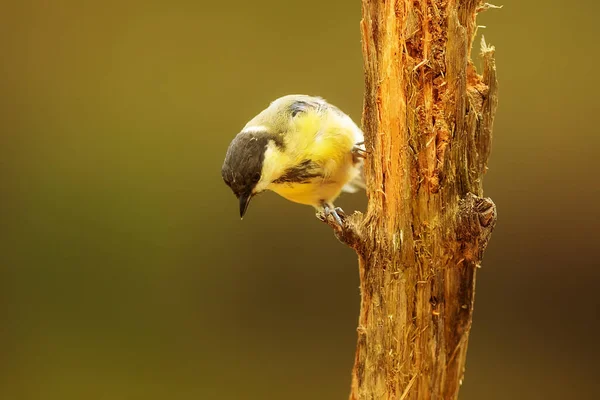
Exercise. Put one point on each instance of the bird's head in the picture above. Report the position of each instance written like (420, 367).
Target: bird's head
(242, 169)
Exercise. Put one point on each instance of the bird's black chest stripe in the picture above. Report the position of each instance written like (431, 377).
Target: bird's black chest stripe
(301, 173)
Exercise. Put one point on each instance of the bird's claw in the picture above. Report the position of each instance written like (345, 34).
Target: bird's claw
(336, 212)
(344, 227)
(358, 152)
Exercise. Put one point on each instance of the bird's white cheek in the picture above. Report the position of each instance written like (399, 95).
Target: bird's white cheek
(261, 186)
(273, 164)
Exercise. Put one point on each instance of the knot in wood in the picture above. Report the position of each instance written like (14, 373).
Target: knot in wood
(475, 222)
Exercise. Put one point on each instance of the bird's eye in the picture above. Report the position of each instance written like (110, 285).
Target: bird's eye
(256, 177)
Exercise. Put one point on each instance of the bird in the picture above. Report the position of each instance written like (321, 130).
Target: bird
(300, 147)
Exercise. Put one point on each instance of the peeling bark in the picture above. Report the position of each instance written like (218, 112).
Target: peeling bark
(428, 118)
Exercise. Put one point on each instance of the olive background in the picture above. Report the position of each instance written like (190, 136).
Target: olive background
(126, 272)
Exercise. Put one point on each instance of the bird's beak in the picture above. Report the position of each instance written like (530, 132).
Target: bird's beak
(244, 201)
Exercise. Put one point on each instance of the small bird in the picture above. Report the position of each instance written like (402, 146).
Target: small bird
(300, 147)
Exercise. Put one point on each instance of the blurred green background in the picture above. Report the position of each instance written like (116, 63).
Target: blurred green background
(126, 272)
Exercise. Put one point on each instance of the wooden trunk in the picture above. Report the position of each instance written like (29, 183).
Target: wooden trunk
(428, 119)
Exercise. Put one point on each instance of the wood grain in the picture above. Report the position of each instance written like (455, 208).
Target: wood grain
(428, 118)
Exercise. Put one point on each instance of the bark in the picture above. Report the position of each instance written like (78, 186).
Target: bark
(428, 119)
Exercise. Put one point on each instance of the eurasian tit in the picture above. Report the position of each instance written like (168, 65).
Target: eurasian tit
(300, 147)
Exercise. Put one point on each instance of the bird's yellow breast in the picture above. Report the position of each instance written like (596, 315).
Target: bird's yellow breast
(323, 142)
(317, 190)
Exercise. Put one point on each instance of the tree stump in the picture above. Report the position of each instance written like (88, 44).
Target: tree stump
(428, 118)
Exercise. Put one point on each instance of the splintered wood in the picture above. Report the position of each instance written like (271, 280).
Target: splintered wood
(428, 118)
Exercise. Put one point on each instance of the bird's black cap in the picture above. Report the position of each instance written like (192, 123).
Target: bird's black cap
(243, 165)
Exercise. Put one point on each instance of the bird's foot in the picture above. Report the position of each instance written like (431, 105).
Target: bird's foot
(358, 151)
(345, 227)
(336, 212)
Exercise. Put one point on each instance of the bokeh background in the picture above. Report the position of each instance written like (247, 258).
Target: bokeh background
(126, 272)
